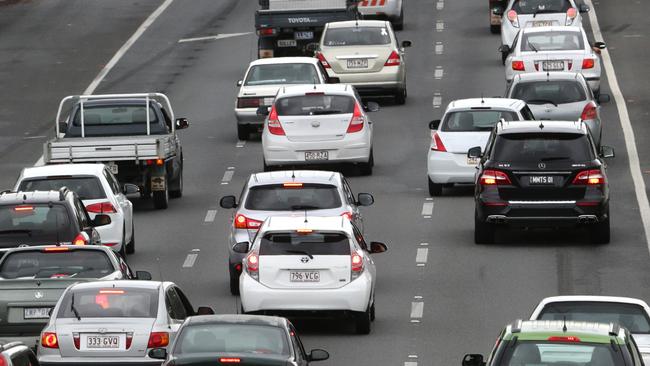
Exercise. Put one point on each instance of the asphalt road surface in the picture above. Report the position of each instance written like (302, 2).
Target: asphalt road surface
(439, 295)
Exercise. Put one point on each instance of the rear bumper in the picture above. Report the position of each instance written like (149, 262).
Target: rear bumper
(280, 151)
(444, 168)
(86, 361)
(543, 213)
(388, 80)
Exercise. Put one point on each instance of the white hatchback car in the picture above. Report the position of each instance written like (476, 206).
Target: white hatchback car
(465, 124)
(99, 191)
(306, 265)
(318, 124)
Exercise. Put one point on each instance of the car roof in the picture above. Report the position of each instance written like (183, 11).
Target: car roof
(118, 284)
(552, 28)
(274, 321)
(295, 90)
(286, 176)
(469, 103)
(284, 60)
(307, 222)
(28, 197)
(575, 127)
(63, 169)
(541, 330)
(593, 298)
(361, 23)
(545, 76)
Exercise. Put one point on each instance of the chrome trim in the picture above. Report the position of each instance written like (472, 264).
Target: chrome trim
(541, 202)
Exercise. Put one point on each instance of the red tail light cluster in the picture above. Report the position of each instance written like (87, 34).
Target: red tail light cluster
(494, 177)
(513, 18)
(275, 128)
(249, 102)
(518, 66)
(81, 239)
(322, 60)
(76, 340)
(243, 222)
(436, 143)
(589, 177)
(158, 339)
(356, 123)
(589, 112)
(49, 340)
(393, 59)
(571, 14)
(347, 215)
(101, 207)
(356, 261)
(588, 63)
(267, 31)
(253, 264)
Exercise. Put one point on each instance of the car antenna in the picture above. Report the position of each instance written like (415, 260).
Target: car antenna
(564, 324)
(306, 216)
(482, 100)
(293, 174)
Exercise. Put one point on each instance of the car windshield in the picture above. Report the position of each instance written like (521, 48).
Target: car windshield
(110, 302)
(356, 36)
(232, 338)
(541, 6)
(631, 316)
(291, 197)
(298, 73)
(545, 353)
(475, 120)
(56, 264)
(524, 147)
(315, 104)
(302, 243)
(87, 188)
(552, 41)
(34, 224)
(116, 120)
(554, 91)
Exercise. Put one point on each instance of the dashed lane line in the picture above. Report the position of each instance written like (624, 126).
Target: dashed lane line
(240, 144)
(213, 38)
(210, 215)
(437, 100)
(438, 73)
(227, 175)
(421, 256)
(417, 309)
(440, 26)
(191, 258)
(439, 48)
(440, 5)
(427, 209)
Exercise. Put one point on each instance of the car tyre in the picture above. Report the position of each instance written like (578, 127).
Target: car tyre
(483, 232)
(495, 29)
(243, 132)
(400, 96)
(161, 199)
(435, 189)
(362, 321)
(178, 192)
(130, 246)
(366, 168)
(266, 167)
(600, 233)
(504, 56)
(234, 284)
(372, 312)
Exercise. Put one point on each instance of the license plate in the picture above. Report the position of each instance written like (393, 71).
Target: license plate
(112, 167)
(541, 180)
(303, 35)
(287, 43)
(304, 276)
(102, 341)
(472, 161)
(542, 23)
(358, 63)
(316, 155)
(37, 313)
(553, 65)
(158, 183)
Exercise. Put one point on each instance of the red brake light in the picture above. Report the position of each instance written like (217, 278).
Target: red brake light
(76, 340)
(253, 264)
(393, 59)
(159, 162)
(588, 63)
(56, 249)
(3, 360)
(571, 13)
(275, 128)
(101, 207)
(563, 339)
(589, 112)
(111, 292)
(23, 208)
(304, 231)
(129, 339)
(266, 31)
(357, 262)
(322, 60)
(49, 340)
(81, 239)
(347, 215)
(494, 177)
(436, 143)
(518, 66)
(356, 123)
(229, 360)
(158, 339)
(243, 222)
(248, 102)
(292, 185)
(589, 177)
(512, 17)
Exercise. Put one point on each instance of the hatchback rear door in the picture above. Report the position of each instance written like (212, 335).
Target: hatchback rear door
(315, 116)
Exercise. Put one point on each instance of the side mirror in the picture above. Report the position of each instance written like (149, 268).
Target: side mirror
(262, 111)
(158, 353)
(606, 151)
(333, 80)
(584, 8)
(377, 247)
(228, 202)
(365, 199)
(143, 275)
(371, 107)
(603, 98)
(433, 125)
(473, 360)
(407, 44)
(240, 82)
(129, 188)
(63, 127)
(182, 123)
(497, 11)
(505, 48)
(474, 152)
(600, 45)
(241, 247)
(204, 310)
(318, 355)
(101, 220)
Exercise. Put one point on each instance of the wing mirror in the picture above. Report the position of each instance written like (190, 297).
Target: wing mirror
(365, 199)
(63, 127)
(606, 151)
(377, 247)
(603, 98)
(241, 247)
(262, 111)
(228, 202)
(584, 8)
(240, 82)
(101, 220)
(318, 355)
(505, 48)
(143, 275)
(406, 44)
(433, 125)
(158, 353)
(473, 360)
(474, 152)
(182, 123)
(129, 188)
(371, 107)
(204, 310)
(600, 45)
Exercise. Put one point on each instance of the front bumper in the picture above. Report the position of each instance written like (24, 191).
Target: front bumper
(542, 213)
(443, 168)
(278, 150)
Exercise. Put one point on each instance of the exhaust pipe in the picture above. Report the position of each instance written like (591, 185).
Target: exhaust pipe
(587, 219)
(496, 219)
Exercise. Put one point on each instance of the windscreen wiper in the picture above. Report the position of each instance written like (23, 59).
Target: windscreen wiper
(297, 251)
(74, 310)
(532, 46)
(322, 112)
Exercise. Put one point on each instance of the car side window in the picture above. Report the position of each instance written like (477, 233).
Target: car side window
(527, 114)
(175, 305)
(348, 193)
(168, 121)
(186, 303)
(297, 344)
(82, 215)
(112, 182)
(359, 237)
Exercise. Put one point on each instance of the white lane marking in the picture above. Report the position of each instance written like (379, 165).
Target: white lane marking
(633, 35)
(227, 175)
(438, 72)
(440, 48)
(440, 5)
(437, 100)
(421, 256)
(34, 137)
(413, 356)
(427, 208)
(189, 260)
(628, 132)
(417, 297)
(424, 244)
(410, 363)
(213, 38)
(440, 26)
(240, 144)
(210, 215)
(417, 308)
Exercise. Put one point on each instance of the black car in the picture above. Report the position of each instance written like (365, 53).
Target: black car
(18, 354)
(541, 173)
(46, 217)
(241, 339)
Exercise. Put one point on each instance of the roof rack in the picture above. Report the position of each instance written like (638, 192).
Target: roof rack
(62, 192)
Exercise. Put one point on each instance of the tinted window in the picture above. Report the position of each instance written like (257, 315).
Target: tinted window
(278, 198)
(282, 74)
(530, 353)
(542, 92)
(110, 302)
(356, 36)
(541, 6)
(630, 316)
(232, 338)
(542, 147)
(87, 188)
(116, 120)
(39, 264)
(475, 120)
(34, 224)
(308, 105)
(552, 41)
(527, 114)
(297, 243)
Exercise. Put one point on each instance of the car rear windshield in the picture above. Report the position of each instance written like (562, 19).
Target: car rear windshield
(356, 36)
(535, 147)
(552, 41)
(277, 197)
(529, 353)
(232, 338)
(116, 120)
(315, 104)
(631, 316)
(475, 120)
(34, 223)
(56, 264)
(552, 91)
(110, 302)
(298, 73)
(541, 6)
(295, 243)
(87, 188)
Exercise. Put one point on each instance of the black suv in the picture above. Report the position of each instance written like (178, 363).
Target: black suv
(17, 354)
(541, 173)
(46, 217)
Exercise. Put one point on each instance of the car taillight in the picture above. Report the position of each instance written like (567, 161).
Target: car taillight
(81, 239)
(266, 31)
(253, 265)
(518, 66)
(393, 59)
(571, 15)
(243, 222)
(158, 339)
(76, 340)
(275, 128)
(356, 262)
(513, 18)
(589, 177)
(589, 112)
(588, 63)
(230, 360)
(322, 60)
(49, 340)
(129, 339)
(3, 360)
(356, 123)
(249, 102)
(101, 207)
(570, 339)
(347, 215)
(494, 177)
(436, 143)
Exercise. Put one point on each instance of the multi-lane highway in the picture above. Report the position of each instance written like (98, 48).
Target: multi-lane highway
(439, 295)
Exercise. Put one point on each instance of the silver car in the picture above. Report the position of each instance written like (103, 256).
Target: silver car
(286, 193)
(113, 322)
(560, 96)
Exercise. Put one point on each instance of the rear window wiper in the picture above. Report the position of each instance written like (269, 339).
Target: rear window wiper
(297, 251)
(74, 310)
(541, 101)
(550, 158)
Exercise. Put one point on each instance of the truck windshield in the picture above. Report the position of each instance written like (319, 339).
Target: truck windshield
(33, 224)
(87, 188)
(116, 120)
(298, 73)
(56, 264)
(356, 36)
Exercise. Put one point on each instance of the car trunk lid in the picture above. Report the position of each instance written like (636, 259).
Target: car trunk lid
(357, 59)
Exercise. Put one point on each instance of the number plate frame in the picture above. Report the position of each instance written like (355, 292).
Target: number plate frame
(553, 65)
(542, 23)
(285, 43)
(317, 155)
(303, 35)
(357, 63)
(99, 343)
(37, 313)
(304, 276)
(541, 180)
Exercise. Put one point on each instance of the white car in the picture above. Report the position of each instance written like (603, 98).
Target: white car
(633, 314)
(318, 124)
(308, 265)
(99, 191)
(552, 49)
(261, 82)
(465, 124)
(520, 14)
(393, 10)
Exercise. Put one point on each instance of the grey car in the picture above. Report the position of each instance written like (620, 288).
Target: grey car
(560, 96)
(288, 193)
